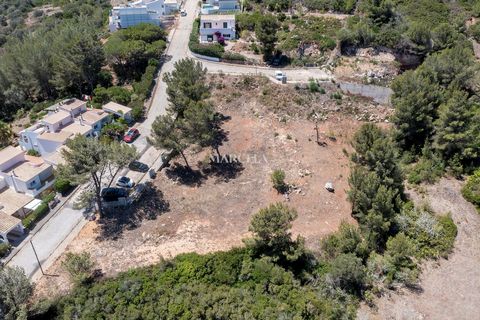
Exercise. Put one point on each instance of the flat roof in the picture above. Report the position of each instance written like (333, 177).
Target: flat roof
(55, 158)
(8, 153)
(8, 223)
(61, 136)
(76, 128)
(217, 17)
(56, 117)
(26, 170)
(71, 104)
(116, 107)
(12, 201)
(94, 115)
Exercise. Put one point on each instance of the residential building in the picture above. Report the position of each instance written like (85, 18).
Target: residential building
(9, 225)
(219, 6)
(24, 174)
(64, 120)
(118, 111)
(217, 27)
(141, 11)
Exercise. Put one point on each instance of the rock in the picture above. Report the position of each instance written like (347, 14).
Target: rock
(329, 186)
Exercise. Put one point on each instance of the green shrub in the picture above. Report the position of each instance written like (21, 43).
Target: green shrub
(471, 189)
(33, 153)
(313, 86)
(4, 249)
(427, 170)
(62, 185)
(475, 31)
(336, 96)
(432, 235)
(117, 94)
(36, 215)
(138, 112)
(278, 180)
(233, 56)
(79, 266)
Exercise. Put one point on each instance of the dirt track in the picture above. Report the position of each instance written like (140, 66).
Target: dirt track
(450, 288)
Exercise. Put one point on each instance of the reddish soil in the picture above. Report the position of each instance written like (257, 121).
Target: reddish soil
(266, 130)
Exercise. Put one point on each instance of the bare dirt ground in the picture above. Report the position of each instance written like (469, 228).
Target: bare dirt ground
(450, 289)
(47, 11)
(266, 128)
(367, 66)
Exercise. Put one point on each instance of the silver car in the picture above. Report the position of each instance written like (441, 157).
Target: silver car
(125, 182)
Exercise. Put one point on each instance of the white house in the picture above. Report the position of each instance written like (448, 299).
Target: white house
(65, 120)
(9, 225)
(214, 27)
(23, 174)
(141, 11)
(118, 110)
(219, 6)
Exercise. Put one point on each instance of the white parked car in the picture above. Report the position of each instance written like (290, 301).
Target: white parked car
(125, 182)
(279, 75)
(183, 12)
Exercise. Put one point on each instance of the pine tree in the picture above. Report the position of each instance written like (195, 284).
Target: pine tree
(456, 128)
(415, 99)
(186, 83)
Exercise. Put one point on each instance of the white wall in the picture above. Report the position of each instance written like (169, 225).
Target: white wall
(11, 162)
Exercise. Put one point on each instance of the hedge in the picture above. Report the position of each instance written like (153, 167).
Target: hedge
(36, 215)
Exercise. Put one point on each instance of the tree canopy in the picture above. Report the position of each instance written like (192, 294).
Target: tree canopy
(95, 162)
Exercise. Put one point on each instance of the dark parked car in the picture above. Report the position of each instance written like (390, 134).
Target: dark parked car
(138, 166)
(54, 203)
(113, 194)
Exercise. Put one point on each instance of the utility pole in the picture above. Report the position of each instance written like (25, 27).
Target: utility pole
(36, 256)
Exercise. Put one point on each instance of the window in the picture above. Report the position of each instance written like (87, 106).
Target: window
(207, 25)
(225, 25)
(209, 37)
(226, 36)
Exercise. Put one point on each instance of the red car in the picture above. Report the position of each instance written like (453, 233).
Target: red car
(131, 135)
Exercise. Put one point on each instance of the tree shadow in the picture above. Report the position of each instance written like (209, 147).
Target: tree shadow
(224, 168)
(148, 206)
(414, 287)
(184, 175)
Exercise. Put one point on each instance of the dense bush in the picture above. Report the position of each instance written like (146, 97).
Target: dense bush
(79, 266)
(116, 94)
(342, 6)
(61, 56)
(33, 153)
(417, 26)
(471, 189)
(62, 185)
(130, 50)
(233, 56)
(40, 212)
(4, 249)
(435, 106)
(278, 180)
